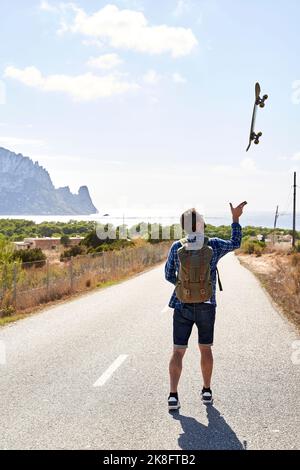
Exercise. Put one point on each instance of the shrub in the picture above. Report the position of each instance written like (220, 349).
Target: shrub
(65, 240)
(34, 255)
(7, 311)
(92, 240)
(7, 251)
(116, 245)
(253, 247)
(258, 250)
(71, 252)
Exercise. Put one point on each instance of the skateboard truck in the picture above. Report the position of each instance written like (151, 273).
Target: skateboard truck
(259, 102)
(256, 137)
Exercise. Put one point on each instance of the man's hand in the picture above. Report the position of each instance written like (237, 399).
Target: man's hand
(237, 211)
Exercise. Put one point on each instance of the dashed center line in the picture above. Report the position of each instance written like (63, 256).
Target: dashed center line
(109, 372)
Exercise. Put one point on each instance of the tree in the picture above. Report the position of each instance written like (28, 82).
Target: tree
(7, 262)
(34, 256)
(65, 240)
(72, 252)
(7, 251)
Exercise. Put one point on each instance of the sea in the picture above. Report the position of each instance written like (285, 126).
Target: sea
(256, 219)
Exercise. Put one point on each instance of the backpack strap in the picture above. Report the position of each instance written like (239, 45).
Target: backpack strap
(219, 281)
(206, 240)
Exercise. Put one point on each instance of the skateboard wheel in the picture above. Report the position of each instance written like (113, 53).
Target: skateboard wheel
(256, 141)
(265, 97)
(259, 134)
(262, 105)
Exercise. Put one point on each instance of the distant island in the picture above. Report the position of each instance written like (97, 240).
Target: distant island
(27, 189)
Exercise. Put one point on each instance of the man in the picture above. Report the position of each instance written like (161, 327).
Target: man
(194, 300)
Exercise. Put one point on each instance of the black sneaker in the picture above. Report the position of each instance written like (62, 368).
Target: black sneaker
(206, 396)
(173, 403)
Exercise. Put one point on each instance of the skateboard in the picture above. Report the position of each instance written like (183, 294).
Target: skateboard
(261, 103)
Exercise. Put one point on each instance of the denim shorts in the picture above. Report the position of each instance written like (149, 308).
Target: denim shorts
(203, 314)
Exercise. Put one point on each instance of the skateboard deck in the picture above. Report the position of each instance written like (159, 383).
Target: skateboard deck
(259, 102)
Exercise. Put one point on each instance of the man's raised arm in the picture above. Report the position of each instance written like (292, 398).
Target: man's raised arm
(225, 246)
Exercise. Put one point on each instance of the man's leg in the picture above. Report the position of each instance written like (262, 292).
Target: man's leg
(205, 322)
(175, 368)
(182, 328)
(206, 363)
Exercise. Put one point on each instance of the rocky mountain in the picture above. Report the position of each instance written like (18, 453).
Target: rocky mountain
(26, 189)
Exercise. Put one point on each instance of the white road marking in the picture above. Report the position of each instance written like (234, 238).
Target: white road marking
(109, 372)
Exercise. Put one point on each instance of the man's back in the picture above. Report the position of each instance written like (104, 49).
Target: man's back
(220, 248)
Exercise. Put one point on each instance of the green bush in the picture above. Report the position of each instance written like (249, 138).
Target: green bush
(92, 240)
(258, 250)
(34, 255)
(7, 311)
(115, 246)
(253, 246)
(18, 229)
(71, 252)
(65, 240)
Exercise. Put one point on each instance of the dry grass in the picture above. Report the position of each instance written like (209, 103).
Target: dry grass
(279, 273)
(36, 286)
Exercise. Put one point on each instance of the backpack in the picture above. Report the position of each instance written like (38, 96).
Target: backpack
(194, 281)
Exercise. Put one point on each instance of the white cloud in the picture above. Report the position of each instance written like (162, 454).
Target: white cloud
(129, 29)
(2, 92)
(8, 141)
(86, 87)
(296, 92)
(57, 158)
(178, 78)
(154, 100)
(246, 166)
(105, 62)
(151, 77)
(92, 42)
(23, 145)
(46, 6)
(182, 7)
(282, 158)
(296, 157)
(136, 4)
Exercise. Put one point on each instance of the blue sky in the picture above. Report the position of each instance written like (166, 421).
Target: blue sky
(149, 102)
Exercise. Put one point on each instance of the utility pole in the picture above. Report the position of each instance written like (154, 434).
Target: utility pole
(294, 212)
(275, 223)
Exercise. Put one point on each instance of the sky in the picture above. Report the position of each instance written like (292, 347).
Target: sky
(149, 102)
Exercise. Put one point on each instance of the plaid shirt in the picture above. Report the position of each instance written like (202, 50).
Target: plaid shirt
(220, 248)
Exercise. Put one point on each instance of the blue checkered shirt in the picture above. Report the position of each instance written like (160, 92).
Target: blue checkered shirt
(220, 248)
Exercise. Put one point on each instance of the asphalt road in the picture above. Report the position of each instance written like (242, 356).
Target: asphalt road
(92, 373)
